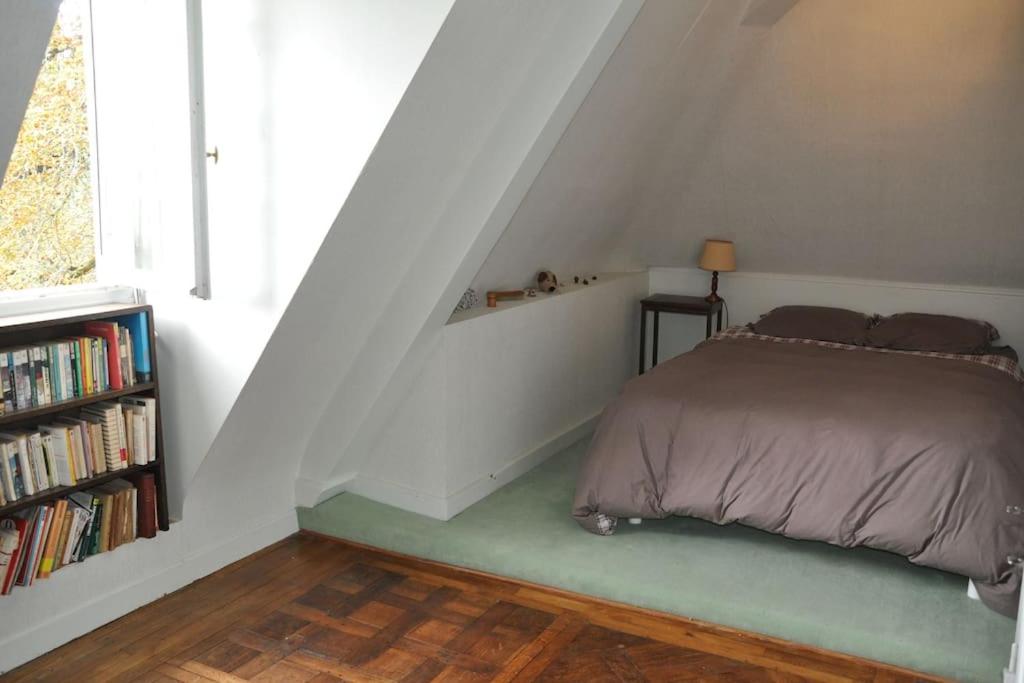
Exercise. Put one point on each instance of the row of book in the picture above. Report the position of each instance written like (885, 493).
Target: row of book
(106, 436)
(41, 540)
(108, 355)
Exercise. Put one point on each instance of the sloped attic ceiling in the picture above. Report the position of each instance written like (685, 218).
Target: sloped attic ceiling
(25, 27)
(870, 139)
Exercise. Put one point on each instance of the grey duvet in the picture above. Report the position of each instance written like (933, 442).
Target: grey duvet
(916, 454)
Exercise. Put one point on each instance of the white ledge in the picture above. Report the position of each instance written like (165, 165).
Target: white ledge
(563, 290)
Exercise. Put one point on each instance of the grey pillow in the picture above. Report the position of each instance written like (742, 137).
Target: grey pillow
(930, 332)
(815, 322)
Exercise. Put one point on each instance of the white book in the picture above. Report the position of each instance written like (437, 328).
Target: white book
(95, 431)
(35, 451)
(74, 526)
(7, 473)
(82, 469)
(66, 373)
(22, 379)
(149, 403)
(120, 427)
(62, 457)
(107, 420)
(47, 390)
(83, 447)
(6, 401)
(140, 436)
(46, 441)
(17, 444)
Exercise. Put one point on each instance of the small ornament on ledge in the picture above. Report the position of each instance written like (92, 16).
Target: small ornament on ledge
(546, 281)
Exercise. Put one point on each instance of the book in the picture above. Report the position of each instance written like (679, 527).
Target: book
(9, 445)
(106, 414)
(86, 502)
(56, 383)
(6, 385)
(96, 544)
(36, 537)
(147, 506)
(63, 457)
(52, 538)
(65, 532)
(138, 327)
(138, 434)
(79, 520)
(12, 531)
(148, 403)
(75, 354)
(46, 441)
(109, 331)
(11, 471)
(35, 373)
(10, 542)
(81, 446)
(22, 379)
(66, 369)
(43, 364)
(127, 365)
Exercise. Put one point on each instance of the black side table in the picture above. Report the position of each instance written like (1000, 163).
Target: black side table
(671, 303)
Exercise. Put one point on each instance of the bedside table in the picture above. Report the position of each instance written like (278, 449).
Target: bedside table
(672, 303)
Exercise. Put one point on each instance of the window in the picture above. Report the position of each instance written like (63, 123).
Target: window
(47, 218)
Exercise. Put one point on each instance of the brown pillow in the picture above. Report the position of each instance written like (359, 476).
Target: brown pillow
(814, 322)
(928, 332)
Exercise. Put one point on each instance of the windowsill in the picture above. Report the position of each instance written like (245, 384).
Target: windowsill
(46, 299)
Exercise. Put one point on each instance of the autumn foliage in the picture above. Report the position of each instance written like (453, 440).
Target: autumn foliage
(46, 211)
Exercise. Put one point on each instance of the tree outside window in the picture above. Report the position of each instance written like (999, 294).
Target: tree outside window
(47, 235)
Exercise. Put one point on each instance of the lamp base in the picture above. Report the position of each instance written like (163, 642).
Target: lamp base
(713, 297)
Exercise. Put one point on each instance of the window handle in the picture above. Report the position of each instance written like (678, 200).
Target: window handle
(215, 154)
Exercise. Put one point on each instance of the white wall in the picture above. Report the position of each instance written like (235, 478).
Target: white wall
(274, 196)
(25, 28)
(489, 102)
(870, 139)
(502, 390)
(751, 294)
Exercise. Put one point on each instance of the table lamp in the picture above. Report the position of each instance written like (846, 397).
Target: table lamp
(718, 256)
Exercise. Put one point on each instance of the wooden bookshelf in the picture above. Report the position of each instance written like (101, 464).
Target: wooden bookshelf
(16, 331)
(41, 412)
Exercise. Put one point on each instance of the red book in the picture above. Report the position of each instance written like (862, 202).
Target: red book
(19, 525)
(108, 331)
(146, 522)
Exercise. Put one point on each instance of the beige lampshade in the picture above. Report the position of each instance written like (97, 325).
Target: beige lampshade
(718, 255)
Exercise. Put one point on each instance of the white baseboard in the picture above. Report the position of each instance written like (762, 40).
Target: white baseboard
(62, 628)
(444, 508)
(484, 486)
(398, 495)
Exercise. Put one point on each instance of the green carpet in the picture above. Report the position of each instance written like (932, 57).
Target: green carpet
(863, 602)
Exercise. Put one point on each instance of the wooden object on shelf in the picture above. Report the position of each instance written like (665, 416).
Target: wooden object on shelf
(24, 330)
(509, 294)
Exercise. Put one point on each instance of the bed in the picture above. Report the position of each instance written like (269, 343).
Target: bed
(920, 453)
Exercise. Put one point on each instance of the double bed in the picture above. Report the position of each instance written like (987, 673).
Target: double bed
(917, 452)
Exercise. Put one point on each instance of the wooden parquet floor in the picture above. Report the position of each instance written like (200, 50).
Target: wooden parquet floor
(312, 609)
